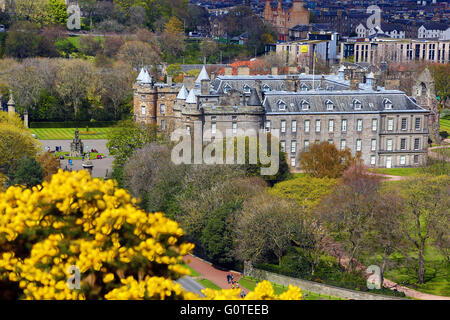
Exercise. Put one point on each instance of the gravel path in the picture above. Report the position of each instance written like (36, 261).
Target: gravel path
(101, 166)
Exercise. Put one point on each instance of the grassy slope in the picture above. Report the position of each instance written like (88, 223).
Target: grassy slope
(444, 125)
(69, 133)
(437, 274)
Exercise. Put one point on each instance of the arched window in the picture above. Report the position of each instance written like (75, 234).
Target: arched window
(357, 105)
(387, 103)
(329, 104)
(305, 105)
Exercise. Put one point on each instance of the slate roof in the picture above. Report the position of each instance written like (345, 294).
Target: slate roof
(275, 82)
(372, 101)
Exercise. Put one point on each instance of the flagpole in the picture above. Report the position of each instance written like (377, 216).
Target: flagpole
(314, 65)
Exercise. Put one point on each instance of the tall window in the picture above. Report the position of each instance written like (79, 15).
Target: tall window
(359, 125)
(213, 127)
(293, 161)
(188, 129)
(283, 145)
(163, 124)
(283, 126)
(372, 160)
(293, 146)
(418, 123)
(306, 145)
(162, 108)
(417, 144)
(344, 125)
(234, 127)
(373, 144)
(404, 124)
(402, 160)
(294, 126)
(317, 125)
(307, 125)
(343, 144)
(389, 144)
(374, 125)
(402, 144)
(330, 125)
(416, 159)
(390, 124)
(358, 144)
(143, 110)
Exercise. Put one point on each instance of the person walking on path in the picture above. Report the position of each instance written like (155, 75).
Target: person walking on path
(228, 278)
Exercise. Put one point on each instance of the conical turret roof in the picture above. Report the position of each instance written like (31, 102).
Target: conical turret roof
(202, 76)
(182, 95)
(146, 79)
(141, 75)
(191, 98)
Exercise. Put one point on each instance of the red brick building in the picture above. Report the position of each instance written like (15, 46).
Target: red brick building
(285, 16)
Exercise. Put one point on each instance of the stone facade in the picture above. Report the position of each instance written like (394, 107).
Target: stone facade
(388, 128)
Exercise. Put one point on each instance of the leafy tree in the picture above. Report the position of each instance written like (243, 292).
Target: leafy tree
(348, 211)
(57, 12)
(32, 10)
(325, 160)
(15, 141)
(49, 164)
(174, 26)
(28, 172)
(426, 215)
(307, 191)
(128, 137)
(139, 54)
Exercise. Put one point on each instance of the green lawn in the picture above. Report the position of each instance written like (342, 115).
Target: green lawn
(250, 284)
(405, 172)
(69, 133)
(444, 125)
(193, 272)
(208, 284)
(437, 275)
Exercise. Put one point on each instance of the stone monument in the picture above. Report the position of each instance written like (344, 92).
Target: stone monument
(76, 146)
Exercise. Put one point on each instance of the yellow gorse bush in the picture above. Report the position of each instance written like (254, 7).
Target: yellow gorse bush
(121, 251)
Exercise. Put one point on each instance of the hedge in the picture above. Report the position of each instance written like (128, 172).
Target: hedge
(73, 124)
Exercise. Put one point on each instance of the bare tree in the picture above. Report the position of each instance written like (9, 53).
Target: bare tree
(139, 54)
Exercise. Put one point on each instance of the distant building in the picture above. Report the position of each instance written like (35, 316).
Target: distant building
(432, 30)
(284, 16)
(386, 29)
(301, 52)
(378, 50)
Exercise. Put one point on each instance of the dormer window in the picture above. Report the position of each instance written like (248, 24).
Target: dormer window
(227, 88)
(303, 87)
(247, 88)
(387, 104)
(305, 105)
(282, 87)
(265, 88)
(357, 105)
(330, 105)
(281, 105)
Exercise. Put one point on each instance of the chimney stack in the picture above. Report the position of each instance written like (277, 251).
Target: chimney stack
(274, 71)
(322, 82)
(228, 71)
(204, 87)
(169, 81)
(292, 70)
(188, 82)
(243, 71)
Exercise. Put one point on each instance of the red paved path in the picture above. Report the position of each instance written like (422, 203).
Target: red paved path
(207, 271)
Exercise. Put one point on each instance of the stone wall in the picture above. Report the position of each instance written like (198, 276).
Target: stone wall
(316, 287)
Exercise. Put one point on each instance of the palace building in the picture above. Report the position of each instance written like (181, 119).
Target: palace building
(387, 127)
